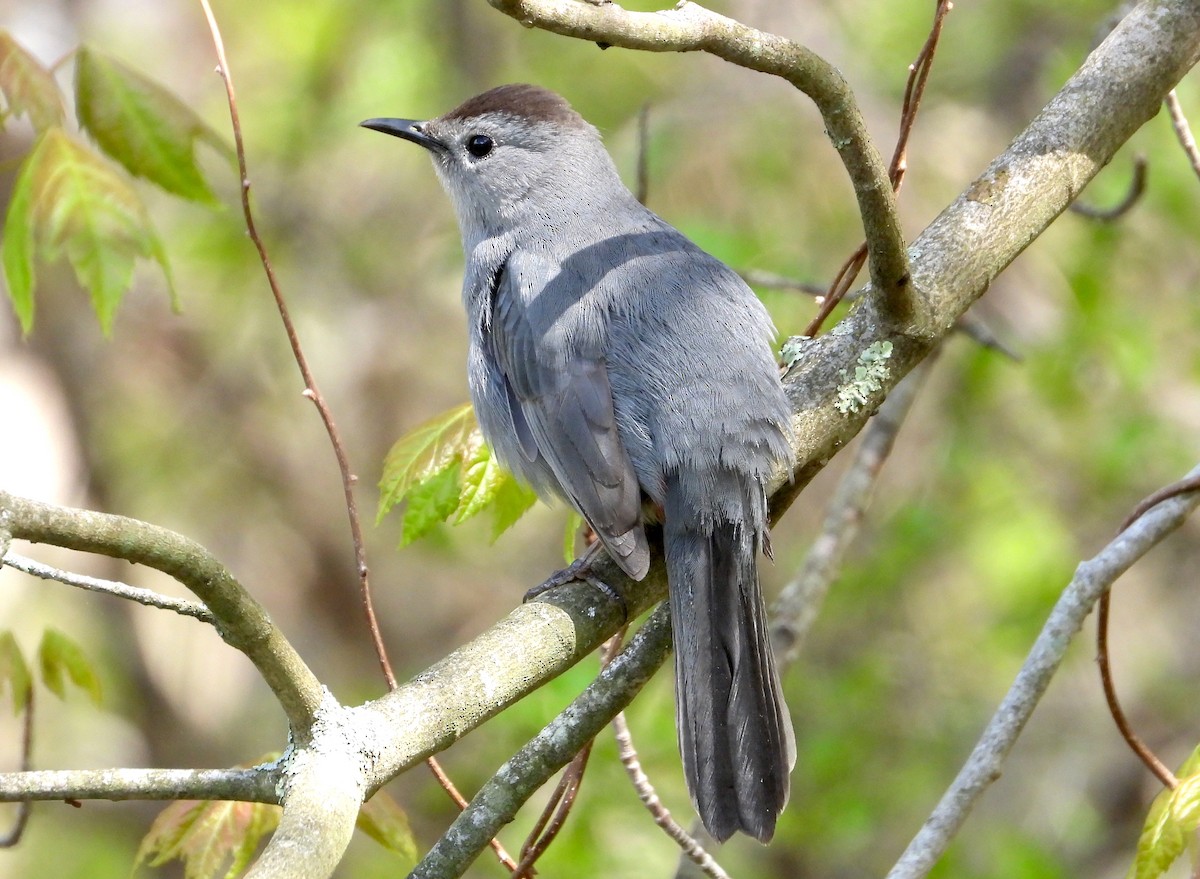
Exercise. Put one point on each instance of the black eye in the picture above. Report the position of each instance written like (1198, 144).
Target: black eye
(479, 145)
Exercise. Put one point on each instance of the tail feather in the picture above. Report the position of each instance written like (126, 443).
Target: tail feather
(735, 735)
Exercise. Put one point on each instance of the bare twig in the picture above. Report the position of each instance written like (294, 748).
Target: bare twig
(1139, 747)
(147, 597)
(1092, 579)
(1183, 131)
(451, 788)
(643, 153)
(1137, 187)
(976, 329)
(838, 288)
(688, 27)
(555, 814)
(801, 599)
(310, 385)
(256, 785)
(241, 621)
(649, 797)
(773, 281)
(552, 748)
(25, 807)
(970, 325)
(914, 91)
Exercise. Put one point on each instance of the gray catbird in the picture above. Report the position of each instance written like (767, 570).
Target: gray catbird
(616, 365)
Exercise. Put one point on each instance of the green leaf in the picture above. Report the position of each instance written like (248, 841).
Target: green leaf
(430, 501)
(447, 452)
(1190, 766)
(482, 477)
(81, 206)
(509, 503)
(142, 125)
(29, 88)
(206, 835)
(1185, 804)
(14, 671)
(1173, 819)
(382, 819)
(17, 248)
(426, 450)
(60, 660)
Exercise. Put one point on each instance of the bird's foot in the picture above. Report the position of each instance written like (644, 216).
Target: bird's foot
(580, 570)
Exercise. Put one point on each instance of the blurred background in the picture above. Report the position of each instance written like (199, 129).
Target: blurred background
(1006, 475)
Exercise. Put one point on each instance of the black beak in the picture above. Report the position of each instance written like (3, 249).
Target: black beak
(409, 129)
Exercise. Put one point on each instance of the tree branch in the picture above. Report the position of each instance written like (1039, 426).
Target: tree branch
(326, 785)
(801, 599)
(1092, 579)
(534, 644)
(1117, 89)
(1183, 131)
(498, 800)
(255, 785)
(147, 597)
(691, 28)
(241, 621)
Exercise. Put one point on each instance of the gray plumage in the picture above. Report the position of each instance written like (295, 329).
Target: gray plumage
(615, 364)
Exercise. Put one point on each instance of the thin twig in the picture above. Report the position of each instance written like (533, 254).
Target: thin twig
(1183, 131)
(555, 814)
(556, 745)
(649, 797)
(147, 597)
(970, 325)
(773, 281)
(310, 385)
(1124, 727)
(313, 393)
(451, 788)
(689, 27)
(914, 91)
(241, 621)
(1092, 579)
(801, 599)
(838, 288)
(25, 807)
(1139, 747)
(643, 153)
(1137, 188)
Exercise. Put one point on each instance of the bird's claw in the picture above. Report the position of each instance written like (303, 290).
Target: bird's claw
(579, 570)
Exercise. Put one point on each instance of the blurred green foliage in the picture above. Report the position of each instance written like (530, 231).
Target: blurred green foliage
(1005, 477)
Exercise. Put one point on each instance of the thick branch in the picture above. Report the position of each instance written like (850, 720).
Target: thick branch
(691, 28)
(325, 789)
(241, 621)
(1119, 87)
(256, 785)
(534, 644)
(1092, 579)
(498, 800)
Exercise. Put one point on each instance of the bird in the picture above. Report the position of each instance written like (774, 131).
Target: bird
(614, 364)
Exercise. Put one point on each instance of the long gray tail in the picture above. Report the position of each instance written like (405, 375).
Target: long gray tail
(735, 734)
